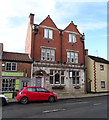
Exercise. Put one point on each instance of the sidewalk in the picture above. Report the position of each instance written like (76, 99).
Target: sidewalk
(74, 96)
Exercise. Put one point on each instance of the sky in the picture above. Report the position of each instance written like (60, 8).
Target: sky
(90, 16)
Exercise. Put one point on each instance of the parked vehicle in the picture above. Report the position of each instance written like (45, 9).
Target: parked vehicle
(4, 99)
(35, 93)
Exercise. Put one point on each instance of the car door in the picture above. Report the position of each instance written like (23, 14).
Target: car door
(43, 94)
(33, 94)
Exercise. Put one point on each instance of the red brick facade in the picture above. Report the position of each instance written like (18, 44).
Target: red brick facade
(60, 43)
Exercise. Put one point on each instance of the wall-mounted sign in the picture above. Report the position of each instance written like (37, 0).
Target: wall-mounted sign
(13, 74)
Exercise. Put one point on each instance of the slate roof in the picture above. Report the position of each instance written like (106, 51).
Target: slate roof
(99, 59)
(16, 57)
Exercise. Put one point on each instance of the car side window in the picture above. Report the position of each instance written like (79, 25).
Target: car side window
(41, 90)
(32, 89)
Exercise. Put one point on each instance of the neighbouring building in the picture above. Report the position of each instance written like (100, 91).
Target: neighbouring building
(59, 56)
(16, 72)
(97, 74)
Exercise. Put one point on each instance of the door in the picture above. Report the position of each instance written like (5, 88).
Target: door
(43, 94)
(38, 81)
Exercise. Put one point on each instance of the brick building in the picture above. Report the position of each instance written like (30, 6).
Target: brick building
(16, 71)
(58, 55)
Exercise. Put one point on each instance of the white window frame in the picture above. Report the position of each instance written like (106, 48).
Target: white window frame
(11, 67)
(102, 84)
(101, 67)
(71, 75)
(72, 38)
(47, 54)
(72, 57)
(60, 75)
(48, 33)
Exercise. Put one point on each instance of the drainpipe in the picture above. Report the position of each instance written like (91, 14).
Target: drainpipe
(61, 46)
(94, 77)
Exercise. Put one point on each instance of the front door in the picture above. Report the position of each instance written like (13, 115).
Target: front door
(38, 81)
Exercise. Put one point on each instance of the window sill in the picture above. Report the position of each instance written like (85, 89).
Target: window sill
(60, 87)
(77, 87)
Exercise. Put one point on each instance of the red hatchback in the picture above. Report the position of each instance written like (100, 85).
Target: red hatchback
(35, 93)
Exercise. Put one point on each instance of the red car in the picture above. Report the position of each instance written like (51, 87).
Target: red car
(35, 93)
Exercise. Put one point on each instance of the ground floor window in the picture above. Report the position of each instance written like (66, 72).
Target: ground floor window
(8, 85)
(57, 76)
(102, 84)
(75, 76)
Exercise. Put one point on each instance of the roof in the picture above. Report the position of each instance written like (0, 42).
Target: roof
(99, 59)
(16, 57)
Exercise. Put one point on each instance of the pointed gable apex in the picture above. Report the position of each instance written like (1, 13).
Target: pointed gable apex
(72, 27)
(48, 22)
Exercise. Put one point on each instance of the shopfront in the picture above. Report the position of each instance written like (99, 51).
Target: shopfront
(13, 82)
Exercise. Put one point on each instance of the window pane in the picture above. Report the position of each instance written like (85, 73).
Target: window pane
(76, 57)
(73, 80)
(52, 55)
(14, 66)
(70, 37)
(45, 33)
(51, 79)
(57, 79)
(77, 80)
(62, 80)
(50, 34)
(8, 66)
(68, 56)
(102, 84)
(74, 38)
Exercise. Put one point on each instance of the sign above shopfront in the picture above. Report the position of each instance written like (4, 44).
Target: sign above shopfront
(13, 74)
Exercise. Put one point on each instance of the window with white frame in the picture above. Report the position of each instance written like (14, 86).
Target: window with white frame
(57, 77)
(102, 84)
(11, 66)
(72, 57)
(75, 75)
(101, 67)
(48, 33)
(47, 54)
(72, 38)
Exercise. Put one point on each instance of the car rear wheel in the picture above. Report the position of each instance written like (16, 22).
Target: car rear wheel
(51, 99)
(24, 100)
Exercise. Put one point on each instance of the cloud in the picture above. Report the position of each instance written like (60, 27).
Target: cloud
(14, 18)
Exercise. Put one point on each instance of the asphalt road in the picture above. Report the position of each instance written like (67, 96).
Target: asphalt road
(95, 107)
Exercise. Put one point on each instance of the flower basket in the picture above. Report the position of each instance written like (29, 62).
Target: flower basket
(58, 87)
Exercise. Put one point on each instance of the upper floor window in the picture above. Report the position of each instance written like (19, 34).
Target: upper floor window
(48, 33)
(48, 54)
(72, 57)
(101, 67)
(72, 38)
(11, 66)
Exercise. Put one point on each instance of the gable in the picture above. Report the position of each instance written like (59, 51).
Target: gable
(48, 22)
(71, 27)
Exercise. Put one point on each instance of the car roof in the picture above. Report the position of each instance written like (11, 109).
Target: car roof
(33, 87)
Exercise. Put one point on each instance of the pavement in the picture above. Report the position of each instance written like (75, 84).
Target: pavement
(63, 97)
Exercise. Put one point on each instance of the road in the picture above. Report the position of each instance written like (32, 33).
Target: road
(95, 107)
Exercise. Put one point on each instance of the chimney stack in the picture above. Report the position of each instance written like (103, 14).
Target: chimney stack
(31, 16)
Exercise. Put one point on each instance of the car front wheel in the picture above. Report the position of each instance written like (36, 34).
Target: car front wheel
(24, 100)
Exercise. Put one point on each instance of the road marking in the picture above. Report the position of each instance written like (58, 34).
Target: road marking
(97, 104)
(54, 110)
